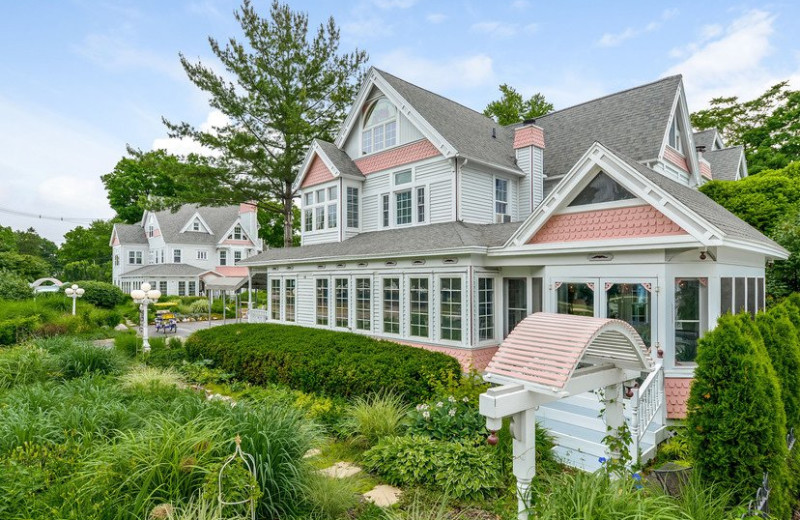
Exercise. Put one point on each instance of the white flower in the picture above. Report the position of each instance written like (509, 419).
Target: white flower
(452, 412)
(426, 414)
(439, 404)
(465, 399)
(420, 407)
(451, 399)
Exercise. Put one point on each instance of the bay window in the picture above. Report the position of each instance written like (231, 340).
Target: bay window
(450, 308)
(318, 206)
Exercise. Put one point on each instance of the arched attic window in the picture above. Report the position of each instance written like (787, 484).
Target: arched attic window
(380, 127)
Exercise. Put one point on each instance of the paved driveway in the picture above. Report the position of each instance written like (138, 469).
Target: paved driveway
(185, 329)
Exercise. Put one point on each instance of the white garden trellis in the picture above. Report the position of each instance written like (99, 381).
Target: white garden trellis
(250, 465)
(551, 356)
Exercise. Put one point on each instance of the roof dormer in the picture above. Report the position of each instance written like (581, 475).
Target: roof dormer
(196, 224)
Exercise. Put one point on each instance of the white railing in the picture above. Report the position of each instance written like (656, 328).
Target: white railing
(257, 316)
(647, 405)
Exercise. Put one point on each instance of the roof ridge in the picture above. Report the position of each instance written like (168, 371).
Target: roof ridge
(731, 147)
(381, 71)
(612, 94)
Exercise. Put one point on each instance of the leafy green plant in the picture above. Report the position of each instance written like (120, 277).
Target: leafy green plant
(371, 418)
(317, 360)
(459, 470)
(147, 377)
(449, 419)
(14, 330)
(199, 307)
(23, 365)
(736, 421)
(80, 359)
(330, 498)
(13, 286)
(101, 294)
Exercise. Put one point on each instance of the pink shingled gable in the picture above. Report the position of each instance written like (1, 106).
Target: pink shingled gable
(231, 270)
(528, 136)
(628, 222)
(675, 157)
(232, 242)
(412, 152)
(470, 359)
(317, 173)
(676, 390)
(246, 207)
(705, 169)
(116, 241)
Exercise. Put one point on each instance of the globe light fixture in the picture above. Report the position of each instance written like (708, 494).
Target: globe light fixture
(74, 292)
(144, 296)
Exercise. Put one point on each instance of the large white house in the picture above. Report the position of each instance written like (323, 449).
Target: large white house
(178, 252)
(427, 223)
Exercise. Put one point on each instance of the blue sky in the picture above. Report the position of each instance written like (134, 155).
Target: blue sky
(81, 79)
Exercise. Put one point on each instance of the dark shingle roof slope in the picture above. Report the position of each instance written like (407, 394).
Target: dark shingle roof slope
(634, 121)
(724, 163)
(470, 132)
(340, 159)
(705, 138)
(130, 234)
(166, 270)
(418, 239)
(220, 219)
(702, 205)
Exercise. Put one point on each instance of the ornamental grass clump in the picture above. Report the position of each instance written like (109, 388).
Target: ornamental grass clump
(736, 423)
(371, 418)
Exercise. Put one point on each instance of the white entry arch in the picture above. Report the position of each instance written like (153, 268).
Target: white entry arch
(551, 356)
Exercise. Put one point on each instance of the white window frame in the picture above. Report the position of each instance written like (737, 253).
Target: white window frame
(349, 314)
(196, 226)
(383, 125)
(401, 302)
(357, 213)
(237, 233)
(464, 299)
(413, 188)
(284, 301)
(201, 254)
(431, 308)
(319, 209)
(478, 315)
(237, 252)
(272, 309)
(327, 325)
(370, 303)
(506, 216)
(135, 258)
(223, 257)
(676, 132)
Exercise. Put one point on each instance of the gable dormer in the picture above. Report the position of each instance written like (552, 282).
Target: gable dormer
(196, 224)
(678, 156)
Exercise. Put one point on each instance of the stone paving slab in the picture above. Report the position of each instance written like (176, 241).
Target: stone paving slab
(313, 452)
(383, 495)
(340, 470)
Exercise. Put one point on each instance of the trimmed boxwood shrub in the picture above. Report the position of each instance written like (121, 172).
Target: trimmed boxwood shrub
(101, 294)
(316, 360)
(736, 422)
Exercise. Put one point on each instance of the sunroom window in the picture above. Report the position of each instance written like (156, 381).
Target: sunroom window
(691, 304)
(380, 127)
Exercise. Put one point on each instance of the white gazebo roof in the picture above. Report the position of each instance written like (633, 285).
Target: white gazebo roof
(546, 349)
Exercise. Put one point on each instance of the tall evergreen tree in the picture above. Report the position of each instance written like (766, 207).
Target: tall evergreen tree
(283, 87)
(512, 108)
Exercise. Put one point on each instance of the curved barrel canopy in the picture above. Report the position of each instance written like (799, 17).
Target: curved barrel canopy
(546, 348)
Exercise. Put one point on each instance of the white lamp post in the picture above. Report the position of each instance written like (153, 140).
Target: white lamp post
(73, 292)
(145, 296)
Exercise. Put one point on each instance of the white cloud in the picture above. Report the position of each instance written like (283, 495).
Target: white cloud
(732, 63)
(186, 146)
(459, 72)
(615, 39)
(436, 17)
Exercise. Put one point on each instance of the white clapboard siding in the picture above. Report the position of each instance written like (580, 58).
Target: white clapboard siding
(477, 196)
(438, 176)
(537, 176)
(319, 237)
(524, 193)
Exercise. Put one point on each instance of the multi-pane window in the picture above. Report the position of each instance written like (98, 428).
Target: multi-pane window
(385, 210)
(741, 295)
(116, 259)
(319, 206)
(162, 286)
(236, 234)
(275, 299)
(320, 217)
(192, 288)
(176, 256)
(289, 299)
(403, 208)
(419, 303)
(391, 305)
(202, 254)
(421, 204)
(450, 309)
(309, 220)
(363, 304)
(690, 317)
(181, 288)
(352, 207)
(237, 255)
(341, 298)
(332, 220)
(380, 127)
(223, 257)
(150, 230)
(196, 225)
(322, 301)
(485, 309)
(501, 200)
(135, 257)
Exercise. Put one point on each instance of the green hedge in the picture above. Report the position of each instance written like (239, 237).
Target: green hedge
(101, 294)
(17, 328)
(316, 360)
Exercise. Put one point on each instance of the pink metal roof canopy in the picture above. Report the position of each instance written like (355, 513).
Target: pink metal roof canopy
(546, 349)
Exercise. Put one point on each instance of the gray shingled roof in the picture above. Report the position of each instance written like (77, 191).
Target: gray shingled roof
(633, 120)
(731, 225)
(468, 131)
(418, 239)
(705, 138)
(130, 234)
(724, 163)
(220, 219)
(166, 270)
(340, 159)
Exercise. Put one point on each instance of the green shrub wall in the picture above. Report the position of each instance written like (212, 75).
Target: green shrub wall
(315, 360)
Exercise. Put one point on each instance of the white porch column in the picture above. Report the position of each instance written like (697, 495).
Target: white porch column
(613, 414)
(523, 432)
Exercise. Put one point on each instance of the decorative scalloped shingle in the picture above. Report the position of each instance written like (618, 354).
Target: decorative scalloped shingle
(528, 136)
(416, 151)
(676, 158)
(629, 222)
(676, 390)
(317, 173)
